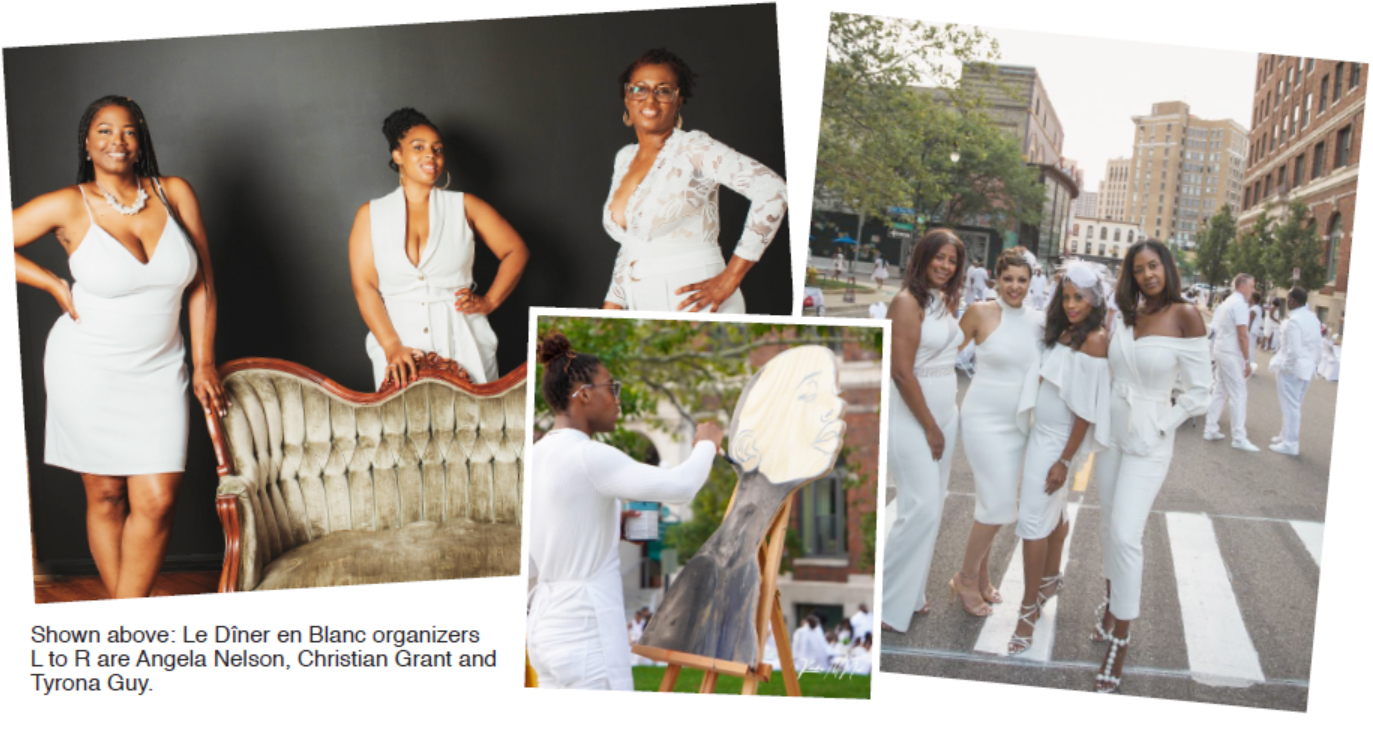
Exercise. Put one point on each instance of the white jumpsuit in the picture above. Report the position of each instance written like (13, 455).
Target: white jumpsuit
(577, 634)
(995, 416)
(1143, 423)
(921, 482)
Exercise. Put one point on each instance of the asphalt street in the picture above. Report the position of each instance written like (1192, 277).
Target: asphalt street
(1232, 564)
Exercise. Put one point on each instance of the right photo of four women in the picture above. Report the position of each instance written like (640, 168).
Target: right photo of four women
(1096, 371)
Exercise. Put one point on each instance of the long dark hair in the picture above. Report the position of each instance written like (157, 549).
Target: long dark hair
(1128, 294)
(144, 166)
(562, 369)
(917, 272)
(1056, 320)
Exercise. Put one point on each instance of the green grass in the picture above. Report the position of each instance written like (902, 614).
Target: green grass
(647, 679)
(827, 284)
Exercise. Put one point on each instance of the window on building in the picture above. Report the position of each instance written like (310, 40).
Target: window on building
(1089, 231)
(1310, 65)
(1246, 199)
(823, 528)
(1282, 178)
(1298, 170)
(1354, 69)
(1318, 161)
(1306, 111)
(1343, 140)
(1339, 82)
(1267, 186)
(1130, 236)
(1117, 235)
(1334, 236)
(1325, 89)
(1298, 69)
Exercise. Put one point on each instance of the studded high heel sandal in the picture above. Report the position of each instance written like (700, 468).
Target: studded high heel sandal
(1029, 614)
(1110, 683)
(1099, 633)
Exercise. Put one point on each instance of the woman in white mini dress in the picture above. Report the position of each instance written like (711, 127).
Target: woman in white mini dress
(1159, 338)
(923, 419)
(1072, 419)
(995, 417)
(411, 254)
(664, 202)
(115, 366)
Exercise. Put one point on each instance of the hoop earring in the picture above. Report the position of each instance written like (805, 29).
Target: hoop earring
(448, 179)
(401, 178)
(679, 120)
(628, 123)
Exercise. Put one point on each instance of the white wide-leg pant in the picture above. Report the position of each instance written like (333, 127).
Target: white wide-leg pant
(1291, 392)
(921, 484)
(1128, 485)
(1229, 386)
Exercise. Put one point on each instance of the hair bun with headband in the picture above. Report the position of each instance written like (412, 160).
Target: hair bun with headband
(553, 347)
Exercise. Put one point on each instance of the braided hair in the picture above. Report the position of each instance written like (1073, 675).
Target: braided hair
(563, 369)
(144, 166)
(398, 123)
(686, 78)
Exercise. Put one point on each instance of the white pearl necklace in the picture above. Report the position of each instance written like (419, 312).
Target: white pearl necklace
(138, 203)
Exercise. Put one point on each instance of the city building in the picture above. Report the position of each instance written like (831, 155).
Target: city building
(1183, 170)
(1102, 240)
(1114, 190)
(1085, 205)
(1308, 128)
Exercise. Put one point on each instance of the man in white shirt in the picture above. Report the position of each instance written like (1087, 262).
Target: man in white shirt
(975, 288)
(1039, 289)
(1230, 350)
(1295, 364)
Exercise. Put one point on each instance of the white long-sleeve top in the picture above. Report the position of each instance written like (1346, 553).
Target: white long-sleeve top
(577, 607)
(677, 205)
(1299, 348)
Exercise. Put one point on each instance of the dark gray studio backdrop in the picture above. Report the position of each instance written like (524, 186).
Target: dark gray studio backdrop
(280, 134)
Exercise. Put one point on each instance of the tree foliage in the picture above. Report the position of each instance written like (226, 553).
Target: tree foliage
(1217, 235)
(1276, 245)
(1253, 251)
(893, 110)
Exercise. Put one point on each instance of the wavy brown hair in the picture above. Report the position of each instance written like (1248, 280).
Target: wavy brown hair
(917, 272)
(1128, 294)
(1012, 257)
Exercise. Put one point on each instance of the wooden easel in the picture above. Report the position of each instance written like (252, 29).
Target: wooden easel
(769, 608)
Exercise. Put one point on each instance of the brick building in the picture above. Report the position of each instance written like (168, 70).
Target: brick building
(1308, 126)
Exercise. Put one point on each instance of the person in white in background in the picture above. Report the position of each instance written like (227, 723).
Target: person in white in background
(860, 658)
(576, 624)
(838, 264)
(1327, 353)
(1233, 364)
(1255, 324)
(877, 310)
(1039, 289)
(1271, 325)
(1332, 372)
(879, 272)
(976, 289)
(861, 622)
(1294, 365)
(809, 651)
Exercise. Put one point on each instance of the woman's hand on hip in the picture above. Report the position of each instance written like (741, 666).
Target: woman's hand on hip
(209, 391)
(709, 293)
(62, 292)
(470, 302)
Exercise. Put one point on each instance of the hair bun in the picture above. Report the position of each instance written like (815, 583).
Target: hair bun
(553, 347)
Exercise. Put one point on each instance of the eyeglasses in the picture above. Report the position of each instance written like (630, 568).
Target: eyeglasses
(639, 92)
(614, 386)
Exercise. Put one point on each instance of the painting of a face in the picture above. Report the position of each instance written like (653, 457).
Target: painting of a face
(789, 423)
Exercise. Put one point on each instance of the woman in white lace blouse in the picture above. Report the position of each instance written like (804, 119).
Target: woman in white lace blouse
(664, 209)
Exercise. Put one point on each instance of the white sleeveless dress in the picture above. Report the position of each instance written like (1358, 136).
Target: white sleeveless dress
(995, 417)
(921, 482)
(117, 380)
(420, 300)
(1072, 385)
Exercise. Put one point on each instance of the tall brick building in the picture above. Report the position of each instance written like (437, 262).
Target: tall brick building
(1308, 126)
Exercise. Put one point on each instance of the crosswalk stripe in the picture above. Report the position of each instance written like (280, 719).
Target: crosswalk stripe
(1219, 650)
(997, 629)
(1084, 475)
(1311, 534)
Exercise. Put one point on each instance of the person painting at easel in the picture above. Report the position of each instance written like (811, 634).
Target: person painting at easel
(576, 615)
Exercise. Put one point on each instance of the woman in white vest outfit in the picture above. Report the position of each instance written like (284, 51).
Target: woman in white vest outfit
(411, 254)
(115, 362)
(923, 419)
(1072, 418)
(995, 417)
(576, 628)
(664, 202)
(1159, 338)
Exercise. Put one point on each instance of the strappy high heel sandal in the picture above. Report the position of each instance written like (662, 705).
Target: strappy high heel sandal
(983, 612)
(1110, 683)
(1099, 633)
(1050, 581)
(1029, 615)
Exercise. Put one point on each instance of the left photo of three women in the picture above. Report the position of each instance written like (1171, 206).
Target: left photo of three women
(355, 223)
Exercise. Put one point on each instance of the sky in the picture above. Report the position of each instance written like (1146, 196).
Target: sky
(1097, 84)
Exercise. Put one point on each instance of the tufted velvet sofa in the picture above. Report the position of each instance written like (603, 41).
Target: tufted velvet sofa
(320, 485)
